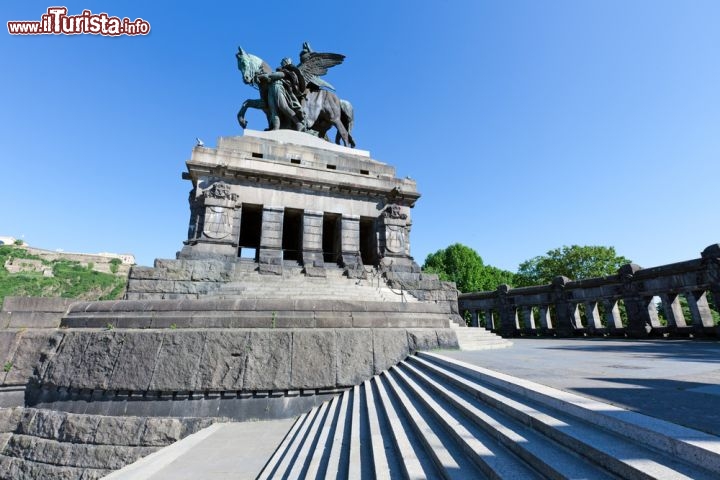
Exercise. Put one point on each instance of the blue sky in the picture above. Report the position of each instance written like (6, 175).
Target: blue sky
(528, 125)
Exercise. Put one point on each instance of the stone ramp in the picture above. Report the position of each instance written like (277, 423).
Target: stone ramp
(222, 451)
(434, 417)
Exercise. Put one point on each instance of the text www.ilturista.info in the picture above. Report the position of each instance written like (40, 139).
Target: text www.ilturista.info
(57, 22)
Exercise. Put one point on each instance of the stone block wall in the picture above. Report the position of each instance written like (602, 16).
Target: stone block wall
(426, 287)
(42, 444)
(229, 360)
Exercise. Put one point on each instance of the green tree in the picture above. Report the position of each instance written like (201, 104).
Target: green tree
(462, 265)
(575, 262)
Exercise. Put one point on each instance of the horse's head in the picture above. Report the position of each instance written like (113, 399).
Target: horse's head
(248, 65)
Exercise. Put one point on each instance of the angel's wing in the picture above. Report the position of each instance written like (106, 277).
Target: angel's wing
(313, 65)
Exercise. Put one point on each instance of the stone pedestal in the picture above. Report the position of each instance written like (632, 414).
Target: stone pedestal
(271, 175)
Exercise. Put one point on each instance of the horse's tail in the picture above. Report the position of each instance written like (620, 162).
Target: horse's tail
(347, 117)
(347, 114)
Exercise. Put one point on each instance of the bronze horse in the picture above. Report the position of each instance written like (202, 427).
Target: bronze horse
(322, 109)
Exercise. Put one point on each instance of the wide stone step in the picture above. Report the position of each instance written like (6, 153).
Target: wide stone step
(516, 437)
(473, 338)
(621, 442)
(245, 282)
(433, 417)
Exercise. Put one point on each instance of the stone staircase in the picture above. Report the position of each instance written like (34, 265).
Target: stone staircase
(40, 444)
(294, 285)
(476, 338)
(191, 279)
(434, 417)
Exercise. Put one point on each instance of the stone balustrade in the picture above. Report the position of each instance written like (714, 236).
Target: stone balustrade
(625, 304)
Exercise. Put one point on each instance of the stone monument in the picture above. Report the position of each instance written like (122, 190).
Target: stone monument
(295, 282)
(296, 274)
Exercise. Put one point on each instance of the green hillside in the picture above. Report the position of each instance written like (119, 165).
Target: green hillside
(55, 278)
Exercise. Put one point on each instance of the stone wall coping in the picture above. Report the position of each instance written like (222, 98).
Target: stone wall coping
(36, 304)
(224, 305)
(609, 282)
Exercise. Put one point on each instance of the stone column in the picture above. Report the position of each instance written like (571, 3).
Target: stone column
(613, 319)
(575, 317)
(673, 310)
(196, 214)
(642, 315)
(593, 316)
(507, 312)
(490, 320)
(545, 320)
(474, 322)
(711, 260)
(214, 223)
(312, 254)
(528, 318)
(350, 246)
(566, 312)
(271, 255)
(699, 309)
(641, 311)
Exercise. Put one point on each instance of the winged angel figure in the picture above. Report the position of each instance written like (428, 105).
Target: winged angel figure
(295, 97)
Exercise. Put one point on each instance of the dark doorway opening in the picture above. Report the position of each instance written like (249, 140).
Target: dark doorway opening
(250, 228)
(331, 237)
(368, 241)
(292, 234)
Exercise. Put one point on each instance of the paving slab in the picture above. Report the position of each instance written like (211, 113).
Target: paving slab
(674, 380)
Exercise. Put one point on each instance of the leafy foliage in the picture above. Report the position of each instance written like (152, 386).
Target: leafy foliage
(70, 279)
(575, 262)
(115, 265)
(462, 265)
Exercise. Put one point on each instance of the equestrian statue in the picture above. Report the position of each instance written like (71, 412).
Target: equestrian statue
(295, 97)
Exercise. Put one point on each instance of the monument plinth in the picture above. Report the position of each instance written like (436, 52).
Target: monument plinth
(296, 275)
(286, 195)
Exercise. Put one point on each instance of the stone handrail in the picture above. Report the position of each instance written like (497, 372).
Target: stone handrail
(624, 304)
